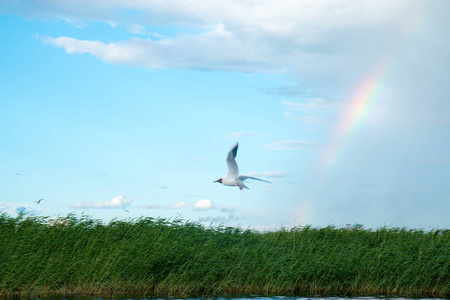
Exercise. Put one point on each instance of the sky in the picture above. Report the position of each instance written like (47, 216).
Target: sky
(127, 109)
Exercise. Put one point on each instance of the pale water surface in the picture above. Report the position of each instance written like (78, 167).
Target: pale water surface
(238, 298)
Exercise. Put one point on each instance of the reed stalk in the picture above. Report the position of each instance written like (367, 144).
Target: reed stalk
(40, 256)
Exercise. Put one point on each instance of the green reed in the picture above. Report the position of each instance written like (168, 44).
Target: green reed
(173, 257)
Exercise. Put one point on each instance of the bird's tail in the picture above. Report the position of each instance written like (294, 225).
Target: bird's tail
(242, 185)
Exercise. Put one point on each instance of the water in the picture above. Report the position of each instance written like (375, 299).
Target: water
(237, 298)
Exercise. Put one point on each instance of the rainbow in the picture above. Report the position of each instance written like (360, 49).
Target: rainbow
(362, 99)
(354, 112)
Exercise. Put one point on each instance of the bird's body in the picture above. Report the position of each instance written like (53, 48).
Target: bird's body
(38, 201)
(230, 181)
(233, 178)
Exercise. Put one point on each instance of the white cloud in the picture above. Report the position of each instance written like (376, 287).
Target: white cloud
(291, 145)
(276, 17)
(204, 204)
(16, 208)
(181, 204)
(131, 52)
(141, 30)
(137, 29)
(116, 202)
(216, 49)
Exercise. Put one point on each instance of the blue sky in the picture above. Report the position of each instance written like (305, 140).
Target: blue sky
(128, 108)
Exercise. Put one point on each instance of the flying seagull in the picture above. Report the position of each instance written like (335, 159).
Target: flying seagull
(39, 201)
(233, 178)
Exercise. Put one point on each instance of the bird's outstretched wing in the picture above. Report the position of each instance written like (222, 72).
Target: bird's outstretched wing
(233, 170)
(243, 177)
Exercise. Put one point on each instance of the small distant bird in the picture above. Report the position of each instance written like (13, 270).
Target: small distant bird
(39, 201)
(233, 178)
(127, 210)
(17, 174)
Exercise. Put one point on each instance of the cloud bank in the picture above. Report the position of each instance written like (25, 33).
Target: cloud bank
(223, 35)
(207, 205)
(204, 204)
(181, 204)
(116, 202)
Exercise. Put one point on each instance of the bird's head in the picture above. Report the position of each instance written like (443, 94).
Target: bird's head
(219, 180)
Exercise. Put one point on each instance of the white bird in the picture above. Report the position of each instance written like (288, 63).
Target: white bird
(233, 178)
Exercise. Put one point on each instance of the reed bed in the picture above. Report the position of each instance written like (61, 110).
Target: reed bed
(147, 256)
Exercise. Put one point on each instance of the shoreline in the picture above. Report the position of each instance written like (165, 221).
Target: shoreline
(181, 292)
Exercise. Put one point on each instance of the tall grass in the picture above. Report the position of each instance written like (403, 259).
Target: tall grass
(156, 256)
